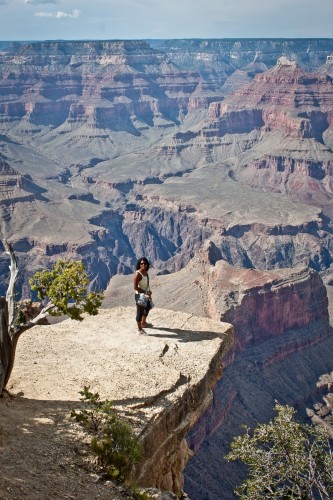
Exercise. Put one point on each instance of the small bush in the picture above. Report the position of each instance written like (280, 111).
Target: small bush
(285, 459)
(96, 413)
(113, 442)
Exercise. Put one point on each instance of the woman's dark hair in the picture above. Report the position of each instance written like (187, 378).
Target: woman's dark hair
(143, 259)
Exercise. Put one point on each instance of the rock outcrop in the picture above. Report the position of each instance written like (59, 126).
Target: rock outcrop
(161, 382)
(263, 305)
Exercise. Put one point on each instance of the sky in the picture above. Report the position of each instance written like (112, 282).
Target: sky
(144, 19)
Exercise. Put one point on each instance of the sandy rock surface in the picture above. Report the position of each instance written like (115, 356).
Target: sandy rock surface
(43, 454)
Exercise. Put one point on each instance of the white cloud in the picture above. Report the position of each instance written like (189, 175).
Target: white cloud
(59, 14)
(35, 2)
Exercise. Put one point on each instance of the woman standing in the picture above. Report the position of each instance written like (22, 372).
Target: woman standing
(141, 286)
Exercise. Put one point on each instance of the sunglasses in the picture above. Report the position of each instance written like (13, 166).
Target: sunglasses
(143, 263)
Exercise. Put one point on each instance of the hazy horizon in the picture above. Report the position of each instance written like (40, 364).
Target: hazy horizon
(172, 38)
(37, 20)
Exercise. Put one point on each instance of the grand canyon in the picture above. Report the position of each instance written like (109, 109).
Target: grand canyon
(213, 158)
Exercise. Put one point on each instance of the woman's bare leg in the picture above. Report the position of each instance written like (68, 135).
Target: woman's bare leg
(143, 321)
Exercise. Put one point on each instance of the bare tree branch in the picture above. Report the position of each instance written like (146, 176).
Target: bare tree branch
(10, 295)
(33, 322)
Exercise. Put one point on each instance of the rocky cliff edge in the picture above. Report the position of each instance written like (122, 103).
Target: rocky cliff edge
(161, 382)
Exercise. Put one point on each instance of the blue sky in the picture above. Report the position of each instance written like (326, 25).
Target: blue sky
(140, 19)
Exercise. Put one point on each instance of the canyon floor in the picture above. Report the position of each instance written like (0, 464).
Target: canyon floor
(43, 453)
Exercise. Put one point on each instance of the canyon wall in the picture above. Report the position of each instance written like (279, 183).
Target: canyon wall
(119, 85)
(246, 55)
(286, 372)
(283, 344)
(96, 137)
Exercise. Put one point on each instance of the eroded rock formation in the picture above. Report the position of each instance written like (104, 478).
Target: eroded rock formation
(122, 148)
(116, 85)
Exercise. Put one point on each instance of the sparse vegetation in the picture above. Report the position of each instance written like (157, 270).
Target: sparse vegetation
(285, 459)
(65, 287)
(112, 440)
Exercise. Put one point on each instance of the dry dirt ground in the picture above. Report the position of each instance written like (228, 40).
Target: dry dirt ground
(43, 455)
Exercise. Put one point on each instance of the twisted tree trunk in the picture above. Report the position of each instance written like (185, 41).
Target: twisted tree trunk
(8, 338)
(5, 345)
(9, 331)
(8, 343)
(9, 335)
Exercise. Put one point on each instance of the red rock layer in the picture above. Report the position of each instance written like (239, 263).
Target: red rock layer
(265, 304)
(284, 98)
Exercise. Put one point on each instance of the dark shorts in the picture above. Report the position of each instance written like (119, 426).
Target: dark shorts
(140, 310)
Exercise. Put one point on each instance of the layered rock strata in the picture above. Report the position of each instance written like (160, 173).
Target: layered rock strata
(246, 54)
(302, 102)
(112, 157)
(263, 305)
(299, 108)
(247, 394)
(116, 85)
(16, 188)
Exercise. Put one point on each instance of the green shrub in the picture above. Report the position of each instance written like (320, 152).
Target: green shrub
(113, 440)
(285, 459)
(96, 413)
(66, 288)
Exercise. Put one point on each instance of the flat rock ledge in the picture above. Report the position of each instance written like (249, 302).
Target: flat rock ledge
(161, 382)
